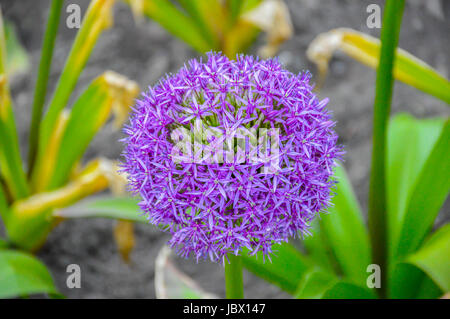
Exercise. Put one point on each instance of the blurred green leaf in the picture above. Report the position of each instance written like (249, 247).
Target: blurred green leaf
(366, 49)
(3, 203)
(285, 270)
(239, 38)
(430, 191)
(106, 207)
(32, 218)
(246, 5)
(10, 159)
(3, 244)
(344, 290)
(342, 237)
(206, 14)
(319, 250)
(428, 289)
(22, 274)
(97, 18)
(434, 257)
(315, 284)
(345, 231)
(410, 142)
(207, 24)
(40, 90)
(17, 58)
(234, 7)
(173, 20)
(405, 280)
(109, 92)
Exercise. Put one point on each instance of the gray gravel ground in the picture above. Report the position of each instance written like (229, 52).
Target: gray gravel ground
(144, 52)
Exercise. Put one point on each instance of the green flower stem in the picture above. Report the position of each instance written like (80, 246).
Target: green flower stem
(384, 86)
(233, 277)
(42, 78)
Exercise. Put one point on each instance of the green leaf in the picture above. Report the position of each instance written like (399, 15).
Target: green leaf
(106, 207)
(315, 284)
(10, 159)
(319, 250)
(410, 142)
(4, 209)
(173, 20)
(247, 5)
(428, 289)
(81, 127)
(97, 18)
(108, 92)
(405, 280)
(3, 244)
(345, 290)
(202, 12)
(434, 257)
(42, 77)
(345, 231)
(32, 218)
(408, 280)
(234, 6)
(17, 58)
(285, 270)
(22, 274)
(430, 191)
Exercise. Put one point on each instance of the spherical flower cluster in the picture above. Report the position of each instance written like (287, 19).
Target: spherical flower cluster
(220, 203)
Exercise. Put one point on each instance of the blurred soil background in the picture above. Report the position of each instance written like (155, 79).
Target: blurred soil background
(144, 52)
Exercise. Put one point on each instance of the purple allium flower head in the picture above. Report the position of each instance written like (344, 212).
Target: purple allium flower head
(214, 207)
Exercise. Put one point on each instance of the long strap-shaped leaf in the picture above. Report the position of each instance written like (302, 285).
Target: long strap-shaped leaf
(319, 250)
(10, 159)
(285, 270)
(345, 231)
(431, 190)
(410, 142)
(434, 257)
(175, 21)
(314, 284)
(105, 207)
(93, 178)
(366, 49)
(346, 290)
(108, 93)
(3, 203)
(42, 78)
(425, 196)
(209, 17)
(98, 17)
(32, 218)
(341, 241)
(317, 284)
